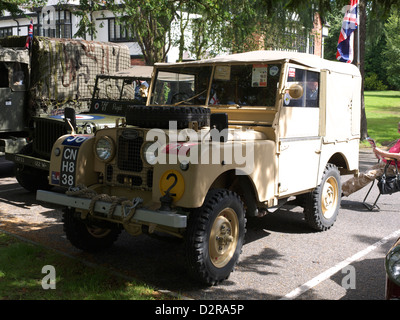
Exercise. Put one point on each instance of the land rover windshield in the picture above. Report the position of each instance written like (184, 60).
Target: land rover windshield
(220, 85)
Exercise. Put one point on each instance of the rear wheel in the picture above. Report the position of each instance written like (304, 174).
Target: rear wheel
(322, 205)
(215, 236)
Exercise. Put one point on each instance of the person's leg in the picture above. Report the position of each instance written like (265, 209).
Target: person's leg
(356, 183)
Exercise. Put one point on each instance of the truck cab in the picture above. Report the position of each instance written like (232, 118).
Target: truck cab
(14, 84)
(112, 94)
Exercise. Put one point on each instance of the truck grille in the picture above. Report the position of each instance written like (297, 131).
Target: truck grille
(130, 170)
(47, 131)
(129, 153)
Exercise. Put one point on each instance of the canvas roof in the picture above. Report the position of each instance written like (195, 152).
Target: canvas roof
(269, 56)
(141, 72)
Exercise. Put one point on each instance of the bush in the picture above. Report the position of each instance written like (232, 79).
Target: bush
(372, 83)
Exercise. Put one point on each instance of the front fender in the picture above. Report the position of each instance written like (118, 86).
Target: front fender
(191, 186)
(72, 161)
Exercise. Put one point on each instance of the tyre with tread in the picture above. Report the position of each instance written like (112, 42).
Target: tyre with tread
(160, 116)
(323, 203)
(215, 236)
(88, 236)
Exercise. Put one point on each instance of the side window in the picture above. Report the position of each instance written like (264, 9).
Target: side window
(303, 88)
(19, 74)
(245, 85)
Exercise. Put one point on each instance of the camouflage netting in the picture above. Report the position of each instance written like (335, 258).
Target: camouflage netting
(63, 71)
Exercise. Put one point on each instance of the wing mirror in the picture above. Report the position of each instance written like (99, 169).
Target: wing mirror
(296, 91)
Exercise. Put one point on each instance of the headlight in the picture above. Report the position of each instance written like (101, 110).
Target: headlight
(392, 263)
(150, 153)
(104, 148)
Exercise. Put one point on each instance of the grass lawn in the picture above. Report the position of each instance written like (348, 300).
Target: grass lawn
(21, 277)
(382, 109)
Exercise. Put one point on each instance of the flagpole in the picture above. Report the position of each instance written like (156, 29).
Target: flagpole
(358, 36)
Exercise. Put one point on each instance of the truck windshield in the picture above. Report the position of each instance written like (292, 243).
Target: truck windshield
(241, 85)
(121, 89)
(245, 85)
(186, 85)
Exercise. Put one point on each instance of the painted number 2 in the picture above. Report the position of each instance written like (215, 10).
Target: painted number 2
(172, 184)
(168, 191)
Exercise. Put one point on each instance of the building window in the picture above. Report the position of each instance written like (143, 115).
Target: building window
(5, 32)
(55, 24)
(119, 32)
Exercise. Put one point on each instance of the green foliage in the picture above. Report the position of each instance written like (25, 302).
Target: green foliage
(374, 63)
(150, 21)
(334, 18)
(86, 23)
(372, 83)
(392, 49)
(15, 6)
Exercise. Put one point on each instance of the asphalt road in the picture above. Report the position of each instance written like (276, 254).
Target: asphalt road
(282, 258)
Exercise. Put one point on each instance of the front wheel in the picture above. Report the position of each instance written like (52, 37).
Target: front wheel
(88, 235)
(322, 205)
(32, 179)
(215, 236)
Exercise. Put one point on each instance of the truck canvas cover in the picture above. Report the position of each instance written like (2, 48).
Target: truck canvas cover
(64, 70)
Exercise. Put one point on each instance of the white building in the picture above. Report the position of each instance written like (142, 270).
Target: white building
(60, 22)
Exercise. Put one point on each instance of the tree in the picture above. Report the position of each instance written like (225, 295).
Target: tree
(150, 21)
(391, 50)
(86, 24)
(222, 25)
(15, 7)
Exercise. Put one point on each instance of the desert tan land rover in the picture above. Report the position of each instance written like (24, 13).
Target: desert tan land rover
(219, 140)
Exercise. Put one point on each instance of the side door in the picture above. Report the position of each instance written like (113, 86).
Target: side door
(298, 131)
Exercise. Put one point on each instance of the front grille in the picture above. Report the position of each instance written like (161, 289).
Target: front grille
(47, 131)
(129, 169)
(129, 158)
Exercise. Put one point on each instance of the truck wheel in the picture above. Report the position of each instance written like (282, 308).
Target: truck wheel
(30, 178)
(322, 205)
(88, 236)
(159, 117)
(215, 236)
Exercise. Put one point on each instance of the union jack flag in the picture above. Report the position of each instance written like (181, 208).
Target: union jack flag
(345, 47)
(29, 38)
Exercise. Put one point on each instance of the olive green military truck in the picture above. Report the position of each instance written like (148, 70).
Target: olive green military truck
(37, 84)
(218, 141)
(112, 94)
